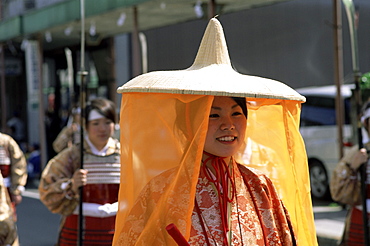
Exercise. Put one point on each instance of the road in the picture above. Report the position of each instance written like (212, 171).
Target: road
(36, 225)
(329, 221)
(39, 227)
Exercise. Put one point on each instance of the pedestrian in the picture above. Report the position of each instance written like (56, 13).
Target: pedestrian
(70, 134)
(183, 140)
(13, 167)
(17, 129)
(34, 165)
(345, 184)
(99, 177)
(8, 229)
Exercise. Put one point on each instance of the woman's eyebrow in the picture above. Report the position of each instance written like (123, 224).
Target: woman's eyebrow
(219, 108)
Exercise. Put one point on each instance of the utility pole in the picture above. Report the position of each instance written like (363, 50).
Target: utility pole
(350, 10)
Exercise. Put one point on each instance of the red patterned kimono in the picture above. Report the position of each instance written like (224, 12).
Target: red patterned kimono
(256, 215)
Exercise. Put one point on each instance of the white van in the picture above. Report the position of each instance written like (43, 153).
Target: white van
(320, 133)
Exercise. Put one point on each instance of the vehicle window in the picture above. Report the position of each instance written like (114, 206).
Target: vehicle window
(320, 111)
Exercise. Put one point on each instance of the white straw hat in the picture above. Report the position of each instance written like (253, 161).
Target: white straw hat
(211, 74)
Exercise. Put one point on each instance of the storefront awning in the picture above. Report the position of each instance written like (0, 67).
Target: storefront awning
(61, 21)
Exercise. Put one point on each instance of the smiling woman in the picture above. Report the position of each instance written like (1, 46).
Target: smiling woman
(231, 201)
(226, 128)
(188, 148)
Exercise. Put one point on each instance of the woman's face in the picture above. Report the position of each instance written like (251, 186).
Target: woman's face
(226, 127)
(99, 131)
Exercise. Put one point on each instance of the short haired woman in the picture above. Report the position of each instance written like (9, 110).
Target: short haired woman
(62, 177)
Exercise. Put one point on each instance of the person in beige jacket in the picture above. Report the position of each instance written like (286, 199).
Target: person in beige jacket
(13, 167)
(345, 184)
(8, 229)
(100, 177)
(70, 134)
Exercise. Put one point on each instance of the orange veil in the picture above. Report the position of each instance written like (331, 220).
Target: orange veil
(164, 117)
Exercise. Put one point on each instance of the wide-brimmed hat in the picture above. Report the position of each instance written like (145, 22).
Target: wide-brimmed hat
(211, 74)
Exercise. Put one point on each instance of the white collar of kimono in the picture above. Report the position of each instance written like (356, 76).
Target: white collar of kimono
(94, 150)
(365, 134)
(365, 115)
(94, 115)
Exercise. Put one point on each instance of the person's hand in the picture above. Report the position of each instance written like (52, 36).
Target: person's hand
(359, 158)
(17, 199)
(74, 127)
(79, 179)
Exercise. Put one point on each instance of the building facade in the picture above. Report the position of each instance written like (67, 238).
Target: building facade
(290, 41)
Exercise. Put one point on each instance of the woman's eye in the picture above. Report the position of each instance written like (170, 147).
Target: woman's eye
(213, 115)
(237, 113)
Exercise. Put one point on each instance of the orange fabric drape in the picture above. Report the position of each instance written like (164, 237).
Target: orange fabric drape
(160, 131)
(275, 146)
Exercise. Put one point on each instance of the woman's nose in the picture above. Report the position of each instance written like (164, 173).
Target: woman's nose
(227, 124)
(102, 127)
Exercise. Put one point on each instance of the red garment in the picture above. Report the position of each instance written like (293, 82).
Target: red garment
(100, 194)
(356, 229)
(250, 211)
(258, 216)
(97, 231)
(5, 170)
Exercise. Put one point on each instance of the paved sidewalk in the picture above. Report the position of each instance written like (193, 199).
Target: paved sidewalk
(329, 232)
(329, 221)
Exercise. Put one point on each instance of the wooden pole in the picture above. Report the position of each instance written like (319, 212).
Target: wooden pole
(43, 147)
(83, 89)
(338, 76)
(136, 69)
(350, 10)
(3, 90)
(211, 8)
(3, 85)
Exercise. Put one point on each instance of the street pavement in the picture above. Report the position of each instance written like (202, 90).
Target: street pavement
(329, 222)
(39, 227)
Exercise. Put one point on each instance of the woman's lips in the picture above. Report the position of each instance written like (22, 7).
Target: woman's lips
(226, 139)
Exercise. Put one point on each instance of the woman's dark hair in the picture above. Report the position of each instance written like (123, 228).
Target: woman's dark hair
(242, 102)
(104, 106)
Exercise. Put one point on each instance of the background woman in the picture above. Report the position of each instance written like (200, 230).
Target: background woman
(345, 184)
(62, 177)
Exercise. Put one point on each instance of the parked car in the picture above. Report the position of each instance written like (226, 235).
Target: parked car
(320, 133)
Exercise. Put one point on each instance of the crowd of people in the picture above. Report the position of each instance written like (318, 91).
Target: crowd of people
(181, 173)
(203, 160)
(63, 176)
